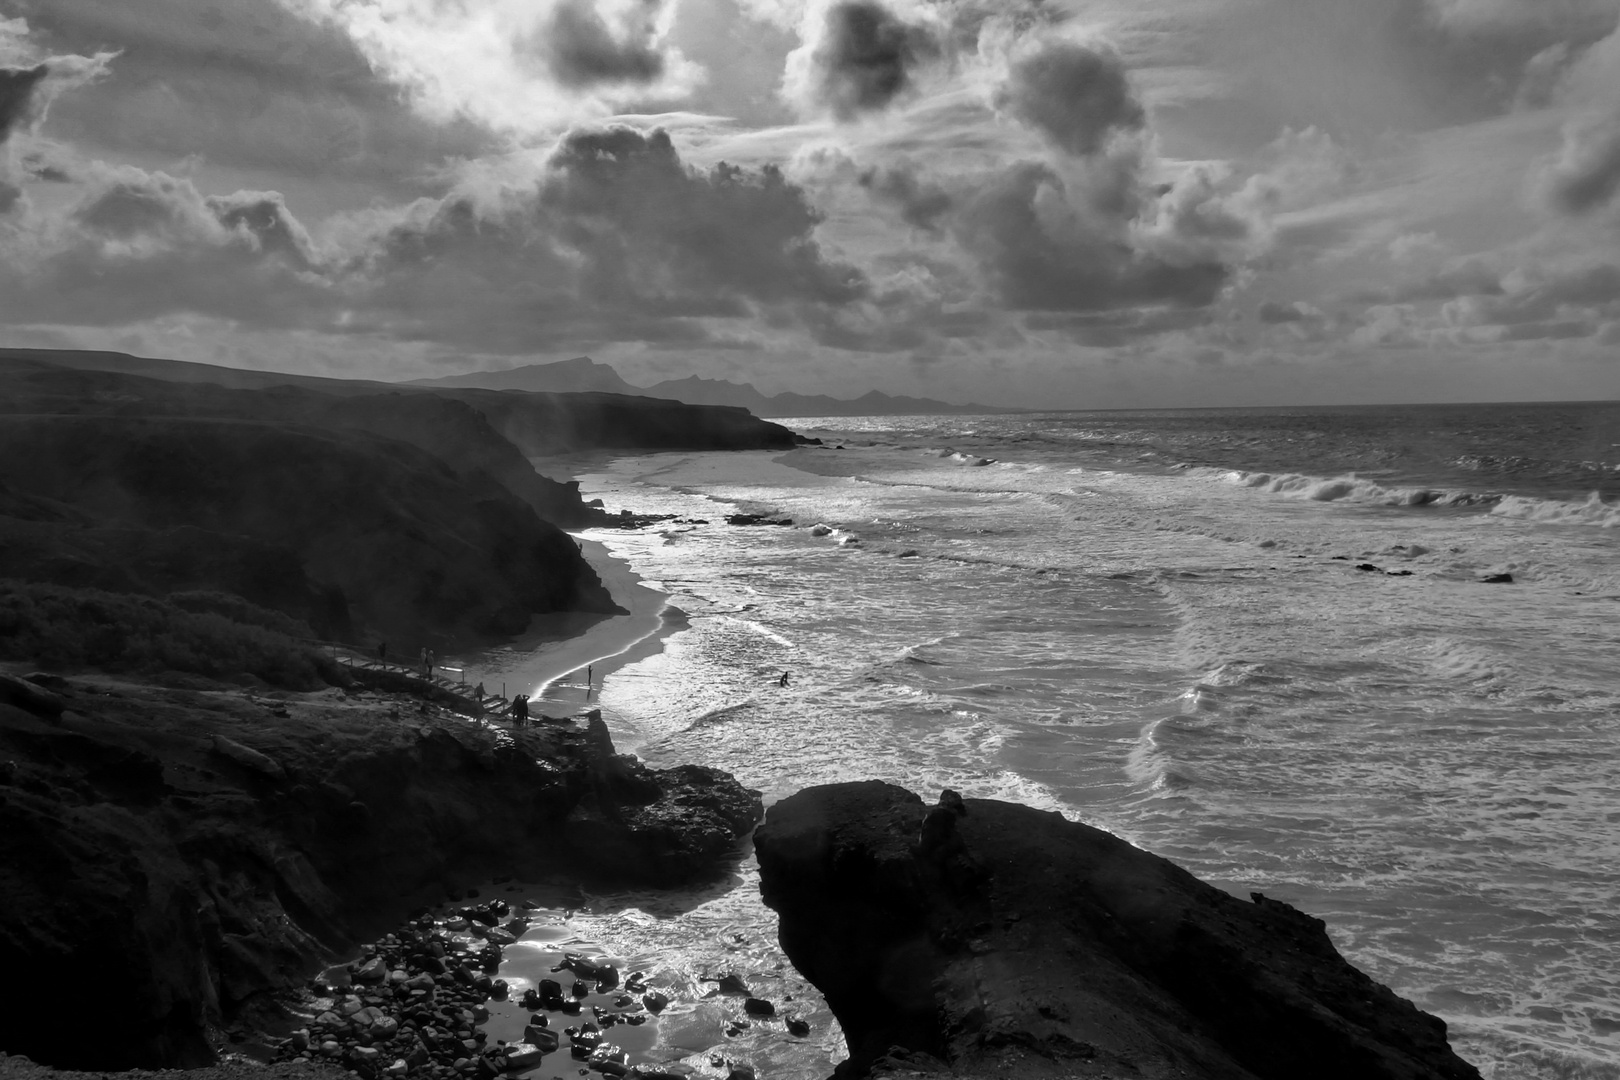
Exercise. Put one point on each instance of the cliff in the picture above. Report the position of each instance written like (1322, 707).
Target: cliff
(355, 535)
(197, 851)
(982, 937)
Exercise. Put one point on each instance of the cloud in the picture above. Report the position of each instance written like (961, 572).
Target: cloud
(1043, 252)
(582, 50)
(1565, 294)
(17, 87)
(921, 202)
(244, 84)
(1074, 94)
(1586, 175)
(1272, 313)
(139, 245)
(617, 240)
(859, 58)
(527, 67)
(1565, 18)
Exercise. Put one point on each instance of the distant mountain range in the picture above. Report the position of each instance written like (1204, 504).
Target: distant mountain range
(582, 374)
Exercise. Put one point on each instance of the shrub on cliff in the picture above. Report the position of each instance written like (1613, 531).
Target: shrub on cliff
(63, 627)
(238, 610)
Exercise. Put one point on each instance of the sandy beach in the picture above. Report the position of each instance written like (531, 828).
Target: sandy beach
(551, 662)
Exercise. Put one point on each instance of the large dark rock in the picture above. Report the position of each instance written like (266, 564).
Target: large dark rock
(997, 938)
(179, 856)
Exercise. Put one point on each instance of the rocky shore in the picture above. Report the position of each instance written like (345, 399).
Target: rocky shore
(181, 857)
(978, 937)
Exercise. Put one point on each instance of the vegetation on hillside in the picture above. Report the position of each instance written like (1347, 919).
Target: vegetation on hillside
(215, 635)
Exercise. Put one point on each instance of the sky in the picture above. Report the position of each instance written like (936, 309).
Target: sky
(1036, 203)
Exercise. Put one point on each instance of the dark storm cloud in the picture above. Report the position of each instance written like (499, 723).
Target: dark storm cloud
(17, 88)
(580, 49)
(1075, 95)
(1041, 256)
(619, 241)
(1586, 176)
(865, 58)
(247, 84)
(921, 203)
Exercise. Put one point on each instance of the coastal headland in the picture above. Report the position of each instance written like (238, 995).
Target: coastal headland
(978, 937)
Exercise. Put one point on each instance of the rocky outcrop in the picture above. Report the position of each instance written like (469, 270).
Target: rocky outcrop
(1002, 940)
(173, 858)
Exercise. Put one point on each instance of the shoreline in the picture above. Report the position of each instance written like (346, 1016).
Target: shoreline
(550, 662)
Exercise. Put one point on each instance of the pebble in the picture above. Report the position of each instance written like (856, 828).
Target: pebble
(411, 1006)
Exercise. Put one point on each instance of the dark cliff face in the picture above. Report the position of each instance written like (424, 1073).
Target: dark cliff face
(998, 937)
(376, 536)
(557, 423)
(152, 867)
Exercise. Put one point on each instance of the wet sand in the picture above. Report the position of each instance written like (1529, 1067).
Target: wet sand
(550, 663)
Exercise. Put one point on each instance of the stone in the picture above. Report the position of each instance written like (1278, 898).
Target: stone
(249, 758)
(581, 988)
(740, 1070)
(606, 1052)
(372, 971)
(607, 977)
(523, 1056)
(797, 1027)
(732, 983)
(758, 1007)
(500, 937)
(655, 1001)
(25, 695)
(544, 1038)
(1497, 579)
(367, 1054)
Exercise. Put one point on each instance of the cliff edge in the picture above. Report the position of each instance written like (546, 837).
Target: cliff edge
(174, 858)
(982, 937)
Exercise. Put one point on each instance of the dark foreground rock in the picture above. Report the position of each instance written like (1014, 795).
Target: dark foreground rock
(993, 938)
(170, 860)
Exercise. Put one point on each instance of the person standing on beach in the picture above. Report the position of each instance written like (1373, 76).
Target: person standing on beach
(382, 650)
(783, 680)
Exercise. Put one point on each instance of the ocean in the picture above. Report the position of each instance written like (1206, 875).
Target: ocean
(1259, 642)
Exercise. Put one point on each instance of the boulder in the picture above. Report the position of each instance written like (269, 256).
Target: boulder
(1015, 941)
(524, 1055)
(249, 758)
(28, 697)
